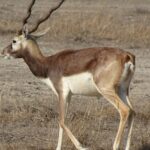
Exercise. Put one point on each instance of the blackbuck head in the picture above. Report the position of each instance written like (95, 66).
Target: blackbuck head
(26, 39)
(22, 43)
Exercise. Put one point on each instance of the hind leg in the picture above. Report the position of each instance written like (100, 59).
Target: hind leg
(130, 122)
(124, 95)
(124, 110)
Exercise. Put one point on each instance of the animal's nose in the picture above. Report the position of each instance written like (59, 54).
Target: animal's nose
(6, 50)
(2, 53)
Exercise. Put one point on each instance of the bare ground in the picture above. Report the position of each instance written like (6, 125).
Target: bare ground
(28, 109)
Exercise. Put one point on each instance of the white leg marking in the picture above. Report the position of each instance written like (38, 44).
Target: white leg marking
(130, 125)
(67, 99)
(129, 134)
(60, 137)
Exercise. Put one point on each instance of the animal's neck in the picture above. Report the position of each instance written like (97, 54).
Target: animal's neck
(37, 63)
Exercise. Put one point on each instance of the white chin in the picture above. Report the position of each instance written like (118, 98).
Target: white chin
(8, 57)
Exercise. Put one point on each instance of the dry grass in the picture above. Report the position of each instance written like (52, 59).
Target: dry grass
(101, 27)
(133, 30)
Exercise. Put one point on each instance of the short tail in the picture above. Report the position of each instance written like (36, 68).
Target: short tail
(130, 60)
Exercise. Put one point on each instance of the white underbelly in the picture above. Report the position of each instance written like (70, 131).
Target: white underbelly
(81, 84)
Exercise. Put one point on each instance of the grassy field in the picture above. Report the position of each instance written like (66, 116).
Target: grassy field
(121, 22)
(29, 110)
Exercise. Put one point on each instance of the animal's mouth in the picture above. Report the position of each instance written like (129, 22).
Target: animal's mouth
(2, 55)
(6, 52)
(5, 56)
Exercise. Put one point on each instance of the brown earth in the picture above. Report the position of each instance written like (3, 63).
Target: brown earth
(28, 108)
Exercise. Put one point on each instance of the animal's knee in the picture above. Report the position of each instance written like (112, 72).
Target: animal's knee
(61, 123)
(125, 112)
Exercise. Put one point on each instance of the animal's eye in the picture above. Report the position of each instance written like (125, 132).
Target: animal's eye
(14, 41)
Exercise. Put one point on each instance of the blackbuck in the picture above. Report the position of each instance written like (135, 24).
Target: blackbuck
(101, 71)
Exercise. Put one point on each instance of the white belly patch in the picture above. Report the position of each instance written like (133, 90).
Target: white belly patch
(81, 84)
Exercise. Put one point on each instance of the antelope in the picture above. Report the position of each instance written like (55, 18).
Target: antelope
(101, 71)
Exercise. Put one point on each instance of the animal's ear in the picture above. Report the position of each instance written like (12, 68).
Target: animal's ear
(40, 34)
(25, 31)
